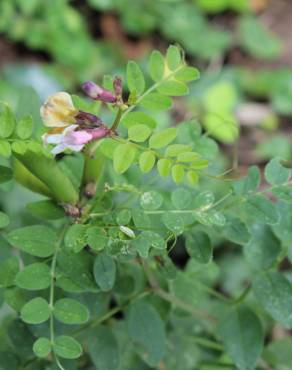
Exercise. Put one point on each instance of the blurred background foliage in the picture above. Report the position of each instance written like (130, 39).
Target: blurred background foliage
(243, 50)
(241, 47)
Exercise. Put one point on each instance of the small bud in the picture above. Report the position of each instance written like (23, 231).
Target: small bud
(71, 210)
(85, 117)
(118, 86)
(98, 133)
(90, 190)
(98, 93)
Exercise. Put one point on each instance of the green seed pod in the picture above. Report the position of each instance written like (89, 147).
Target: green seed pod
(92, 173)
(49, 173)
(28, 180)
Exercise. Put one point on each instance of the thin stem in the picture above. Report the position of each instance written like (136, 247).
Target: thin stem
(117, 119)
(147, 92)
(207, 343)
(110, 313)
(52, 290)
(242, 295)
(173, 211)
(171, 298)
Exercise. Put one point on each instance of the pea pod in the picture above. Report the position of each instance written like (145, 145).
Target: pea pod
(24, 177)
(50, 174)
(92, 172)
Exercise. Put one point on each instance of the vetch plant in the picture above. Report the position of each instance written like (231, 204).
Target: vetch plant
(114, 269)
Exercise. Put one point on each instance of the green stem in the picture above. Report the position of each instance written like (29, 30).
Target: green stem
(242, 295)
(117, 119)
(52, 290)
(172, 298)
(147, 92)
(110, 313)
(207, 343)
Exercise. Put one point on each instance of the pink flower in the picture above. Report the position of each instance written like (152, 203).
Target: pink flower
(68, 139)
(98, 93)
(74, 140)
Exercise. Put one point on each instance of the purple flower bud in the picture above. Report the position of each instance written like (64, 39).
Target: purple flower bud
(118, 86)
(98, 93)
(82, 117)
(98, 133)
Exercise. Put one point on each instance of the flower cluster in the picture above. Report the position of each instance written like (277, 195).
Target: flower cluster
(72, 128)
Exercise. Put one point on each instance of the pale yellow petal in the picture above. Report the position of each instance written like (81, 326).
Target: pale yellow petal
(58, 110)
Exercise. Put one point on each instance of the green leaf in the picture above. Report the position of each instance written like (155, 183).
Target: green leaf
(257, 40)
(249, 183)
(199, 247)
(104, 271)
(162, 138)
(5, 174)
(274, 292)
(8, 360)
(242, 336)
(103, 348)
(176, 149)
(156, 101)
(146, 329)
(123, 217)
(164, 167)
(178, 173)
(199, 164)
(124, 156)
(193, 177)
(135, 78)
(222, 125)
(77, 267)
(36, 240)
(188, 157)
(69, 311)
(173, 57)
(75, 238)
(35, 311)
(139, 133)
(173, 88)
(173, 222)
(34, 277)
(19, 147)
(220, 97)
(236, 231)
(263, 248)
(186, 74)
(8, 270)
(42, 347)
(279, 353)
(4, 220)
(7, 122)
(156, 66)
(284, 193)
(181, 198)
(96, 238)
(146, 161)
(260, 209)
(151, 200)
(204, 200)
(46, 210)
(24, 128)
(67, 347)
(275, 173)
(138, 118)
(5, 149)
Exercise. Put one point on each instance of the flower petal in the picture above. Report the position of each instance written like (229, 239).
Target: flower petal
(52, 139)
(59, 149)
(58, 110)
(75, 148)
